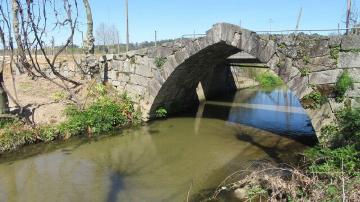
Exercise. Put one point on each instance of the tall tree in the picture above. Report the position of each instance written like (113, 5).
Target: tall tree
(4, 102)
(89, 33)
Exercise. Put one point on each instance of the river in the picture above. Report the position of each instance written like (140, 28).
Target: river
(163, 160)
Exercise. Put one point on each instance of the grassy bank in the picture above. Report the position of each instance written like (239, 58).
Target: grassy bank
(328, 172)
(106, 110)
(268, 79)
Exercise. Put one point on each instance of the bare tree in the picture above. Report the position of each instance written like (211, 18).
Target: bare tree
(89, 33)
(107, 35)
(34, 22)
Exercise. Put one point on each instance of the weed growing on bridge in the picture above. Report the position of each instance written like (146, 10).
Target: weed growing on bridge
(305, 71)
(313, 100)
(160, 61)
(334, 52)
(343, 83)
(306, 59)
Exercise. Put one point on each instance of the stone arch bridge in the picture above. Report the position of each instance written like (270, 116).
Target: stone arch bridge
(170, 75)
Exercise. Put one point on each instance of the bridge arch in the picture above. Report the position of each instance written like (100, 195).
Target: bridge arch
(201, 62)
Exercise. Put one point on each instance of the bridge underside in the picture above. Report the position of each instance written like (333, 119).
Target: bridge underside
(207, 69)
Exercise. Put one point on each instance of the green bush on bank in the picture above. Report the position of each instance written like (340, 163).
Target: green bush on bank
(107, 112)
(102, 116)
(341, 151)
(267, 79)
(343, 83)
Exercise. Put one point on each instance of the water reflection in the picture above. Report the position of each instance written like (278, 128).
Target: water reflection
(158, 161)
(278, 111)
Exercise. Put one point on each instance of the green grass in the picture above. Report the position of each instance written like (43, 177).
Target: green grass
(267, 79)
(343, 83)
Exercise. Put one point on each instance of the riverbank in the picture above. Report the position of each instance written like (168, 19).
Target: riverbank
(328, 172)
(101, 109)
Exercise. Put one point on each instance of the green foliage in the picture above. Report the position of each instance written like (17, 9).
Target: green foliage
(334, 52)
(161, 112)
(4, 122)
(305, 71)
(343, 83)
(103, 115)
(313, 100)
(160, 61)
(46, 133)
(255, 191)
(15, 134)
(349, 123)
(268, 79)
(306, 59)
(329, 162)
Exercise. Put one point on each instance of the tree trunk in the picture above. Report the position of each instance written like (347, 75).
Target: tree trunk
(19, 46)
(89, 33)
(4, 102)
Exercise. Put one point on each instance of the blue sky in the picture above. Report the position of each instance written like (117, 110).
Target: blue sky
(173, 18)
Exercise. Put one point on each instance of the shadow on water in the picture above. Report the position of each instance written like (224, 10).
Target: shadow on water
(116, 185)
(270, 151)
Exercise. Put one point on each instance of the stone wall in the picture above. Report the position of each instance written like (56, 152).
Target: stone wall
(310, 63)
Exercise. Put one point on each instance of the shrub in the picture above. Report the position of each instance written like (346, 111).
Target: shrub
(268, 79)
(329, 162)
(349, 123)
(313, 100)
(160, 61)
(102, 116)
(161, 112)
(14, 135)
(343, 83)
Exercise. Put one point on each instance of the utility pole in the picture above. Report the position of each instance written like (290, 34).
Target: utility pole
(270, 22)
(298, 20)
(155, 39)
(348, 13)
(127, 24)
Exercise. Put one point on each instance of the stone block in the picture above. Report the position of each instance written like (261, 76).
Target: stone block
(350, 42)
(319, 48)
(143, 70)
(138, 80)
(354, 92)
(349, 60)
(325, 77)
